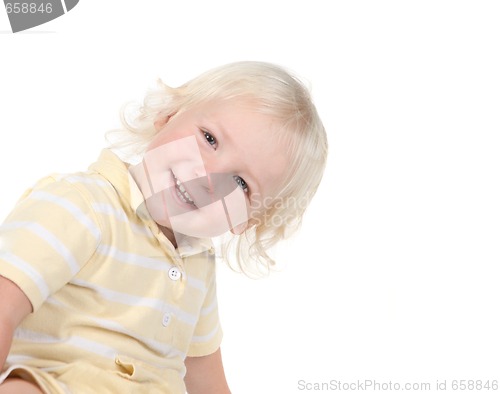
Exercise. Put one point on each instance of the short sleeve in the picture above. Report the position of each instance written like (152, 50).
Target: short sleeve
(48, 237)
(207, 333)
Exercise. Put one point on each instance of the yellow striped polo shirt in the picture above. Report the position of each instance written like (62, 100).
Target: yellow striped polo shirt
(114, 302)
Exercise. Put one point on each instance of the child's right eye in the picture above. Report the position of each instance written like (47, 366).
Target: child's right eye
(210, 139)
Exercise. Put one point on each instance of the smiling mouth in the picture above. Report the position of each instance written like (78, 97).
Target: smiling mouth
(182, 193)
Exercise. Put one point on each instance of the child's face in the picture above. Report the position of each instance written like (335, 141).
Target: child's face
(211, 168)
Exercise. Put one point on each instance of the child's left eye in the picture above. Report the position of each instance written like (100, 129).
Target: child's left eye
(210, 139)
(241, 183)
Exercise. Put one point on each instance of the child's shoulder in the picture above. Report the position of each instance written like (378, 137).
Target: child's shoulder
(79, 194)
(88, 185)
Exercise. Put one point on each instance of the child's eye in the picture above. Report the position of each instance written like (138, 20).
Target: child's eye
(210, 139)
(241, 183)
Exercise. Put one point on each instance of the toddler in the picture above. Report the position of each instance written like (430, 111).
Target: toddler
(107, 277)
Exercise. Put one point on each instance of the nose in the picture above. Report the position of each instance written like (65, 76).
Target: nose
(221, 185)
(210, 188)
(199, 170)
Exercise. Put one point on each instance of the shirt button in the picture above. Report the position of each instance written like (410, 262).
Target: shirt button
(174, 273)
(166, 319)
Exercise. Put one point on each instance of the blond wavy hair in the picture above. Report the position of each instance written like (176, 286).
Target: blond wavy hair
(274, 91)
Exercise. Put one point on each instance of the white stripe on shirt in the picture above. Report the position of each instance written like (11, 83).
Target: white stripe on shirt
(160, 264)
(71, 208)
(131, 300)
(50, 239)
(205, 338)
(84, 179)
(76, 341)
(28, 270)
(119, 214)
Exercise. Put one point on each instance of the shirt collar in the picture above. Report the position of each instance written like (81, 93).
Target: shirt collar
(116, 172)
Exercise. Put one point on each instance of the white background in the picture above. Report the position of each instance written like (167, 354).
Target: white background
(394, 276)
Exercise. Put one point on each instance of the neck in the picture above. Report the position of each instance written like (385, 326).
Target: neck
(169, 234)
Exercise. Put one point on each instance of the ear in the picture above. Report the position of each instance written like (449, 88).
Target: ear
(240, 228)
(161, 121)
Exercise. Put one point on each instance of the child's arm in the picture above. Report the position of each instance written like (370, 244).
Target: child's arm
(14, 307)
(205, 375)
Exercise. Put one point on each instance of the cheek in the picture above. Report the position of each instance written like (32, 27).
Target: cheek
(181, 155)
(236, 208)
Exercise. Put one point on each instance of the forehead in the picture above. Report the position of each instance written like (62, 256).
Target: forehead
(252, 137)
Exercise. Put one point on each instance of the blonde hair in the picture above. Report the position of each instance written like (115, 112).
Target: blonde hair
(274, 91)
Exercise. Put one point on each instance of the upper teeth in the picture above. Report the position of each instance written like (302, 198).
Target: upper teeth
(182, 193)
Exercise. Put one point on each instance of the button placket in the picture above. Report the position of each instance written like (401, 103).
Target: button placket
(178, 282)
(167, 317)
